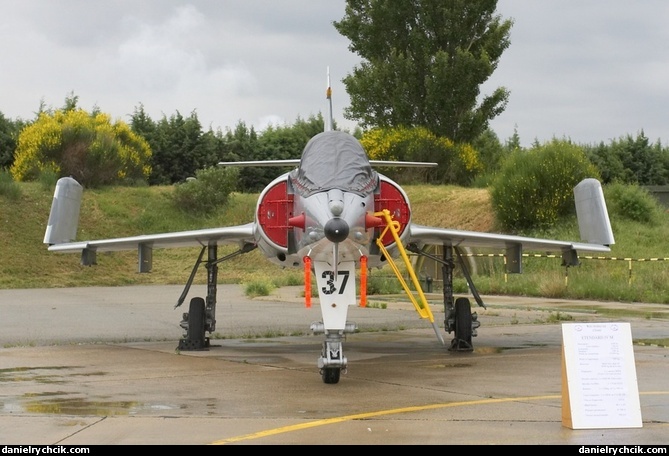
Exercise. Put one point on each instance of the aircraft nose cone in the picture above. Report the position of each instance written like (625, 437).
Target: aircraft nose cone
(336, 230)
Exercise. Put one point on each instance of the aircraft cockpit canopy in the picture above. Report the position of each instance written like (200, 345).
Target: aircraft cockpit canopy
(334, 160)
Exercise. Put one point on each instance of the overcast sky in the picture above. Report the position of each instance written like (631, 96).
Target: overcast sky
(586, 70)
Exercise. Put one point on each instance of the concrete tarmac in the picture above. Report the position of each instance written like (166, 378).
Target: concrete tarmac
(91, 366)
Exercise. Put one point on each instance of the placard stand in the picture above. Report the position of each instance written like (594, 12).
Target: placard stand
(599, 384)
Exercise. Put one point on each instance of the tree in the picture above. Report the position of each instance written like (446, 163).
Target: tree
(424, 61)
(9, 132)
(274, 143)
(643, 160)
(70, 102)
(492, 153)
(142, 124)
(241, 144)
(178, 144)
(631, 160)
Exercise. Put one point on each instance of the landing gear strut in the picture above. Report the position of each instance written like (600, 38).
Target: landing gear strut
(332, 361)
(201, 315)
(459, 318)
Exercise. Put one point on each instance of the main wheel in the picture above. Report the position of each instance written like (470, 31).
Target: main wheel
(196, 320)
(463, 324)
(331, 375)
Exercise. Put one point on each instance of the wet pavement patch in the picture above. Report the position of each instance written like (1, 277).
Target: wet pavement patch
(42, 374)
(79, 406)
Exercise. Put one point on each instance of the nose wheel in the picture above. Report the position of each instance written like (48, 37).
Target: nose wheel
(331, 375)
(332, 360)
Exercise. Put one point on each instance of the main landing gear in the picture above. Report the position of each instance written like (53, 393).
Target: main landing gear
(463, 326)
(201, 318)
(201, 315)
(459, 318)
(195, 327)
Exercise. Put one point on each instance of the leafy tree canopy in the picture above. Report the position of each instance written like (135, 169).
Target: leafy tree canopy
(9, 132)
(424, 61)
(632, 160)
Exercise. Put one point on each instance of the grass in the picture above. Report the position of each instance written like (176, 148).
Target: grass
(377, 305)
(656, 342)
(637, 270)
(8, 188)
(258, 288)
(558, 317)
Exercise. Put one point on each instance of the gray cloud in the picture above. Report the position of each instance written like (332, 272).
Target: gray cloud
(591, 71)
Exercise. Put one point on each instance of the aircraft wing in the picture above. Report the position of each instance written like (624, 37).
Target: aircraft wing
(240, 234)
(296, 162)
(420, 234)
(593, 223)
(61, 232)
(513, 245)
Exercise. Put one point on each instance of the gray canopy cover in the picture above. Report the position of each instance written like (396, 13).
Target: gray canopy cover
(334, 159)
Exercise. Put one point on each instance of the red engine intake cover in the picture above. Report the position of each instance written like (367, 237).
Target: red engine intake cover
(274, 210)
(391, 198)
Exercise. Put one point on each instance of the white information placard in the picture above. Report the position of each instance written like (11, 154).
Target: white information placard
(599, 384)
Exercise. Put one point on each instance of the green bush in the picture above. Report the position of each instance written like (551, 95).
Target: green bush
(47, 179)
(535, 188)
(628, 201)
(8, 188)
(377, 285)
(258, 288)
(209, 190)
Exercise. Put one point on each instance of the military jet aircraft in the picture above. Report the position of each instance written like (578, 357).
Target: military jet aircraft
(333, 215)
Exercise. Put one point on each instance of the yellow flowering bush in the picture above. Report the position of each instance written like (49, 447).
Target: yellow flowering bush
(88, 147)
(457, 163)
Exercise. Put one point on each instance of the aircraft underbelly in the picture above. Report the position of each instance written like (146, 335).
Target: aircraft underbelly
(323, 250)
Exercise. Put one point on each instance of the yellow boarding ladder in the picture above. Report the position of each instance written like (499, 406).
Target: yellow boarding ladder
(421, 307)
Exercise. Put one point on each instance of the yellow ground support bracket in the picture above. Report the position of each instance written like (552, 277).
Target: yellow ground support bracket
(421, 307)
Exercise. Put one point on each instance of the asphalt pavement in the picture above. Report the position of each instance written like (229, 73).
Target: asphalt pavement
(100, 365)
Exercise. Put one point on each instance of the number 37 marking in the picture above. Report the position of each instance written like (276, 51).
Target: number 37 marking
(331, 283)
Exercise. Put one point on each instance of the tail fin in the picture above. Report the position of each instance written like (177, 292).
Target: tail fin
(593, 218)
(64, 216)
(328, 120)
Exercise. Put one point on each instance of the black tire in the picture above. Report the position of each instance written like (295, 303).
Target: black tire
(196, 320)
(331, 375)
(463, 321)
